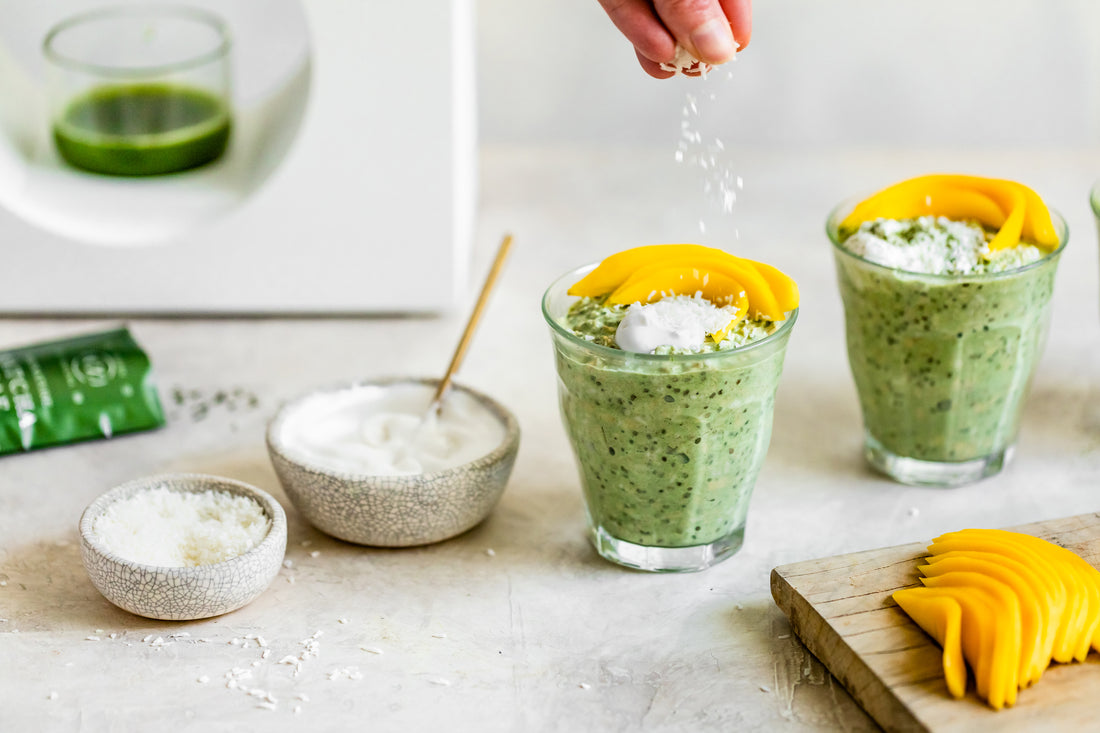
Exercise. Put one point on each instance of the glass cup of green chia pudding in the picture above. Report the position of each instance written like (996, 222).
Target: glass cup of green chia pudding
(139, 90)
(668, 445)
(942, 360)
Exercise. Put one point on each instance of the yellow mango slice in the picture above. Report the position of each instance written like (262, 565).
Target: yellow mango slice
(920, 197)
(1031, 616)
(941, 618)
(1005, 568)
(977, 630)
(615, 269)
(1062, 647)
(771, 292)
(1013, 209)
(1003, 666)
(681, 280)
(761, 301)
(1038, 227)
(783, 286)
(1085, 581)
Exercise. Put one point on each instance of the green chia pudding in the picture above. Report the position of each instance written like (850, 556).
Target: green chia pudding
(943, 335)
(669, 444)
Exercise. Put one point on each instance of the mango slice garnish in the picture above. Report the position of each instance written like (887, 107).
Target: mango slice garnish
(648, 273)
(1014, 210)
(941, 618)
(653, 283)
(1020, 603)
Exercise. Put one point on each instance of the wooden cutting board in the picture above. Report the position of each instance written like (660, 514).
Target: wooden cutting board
(840, 608)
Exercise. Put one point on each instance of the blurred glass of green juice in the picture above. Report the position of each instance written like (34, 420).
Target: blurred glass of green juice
(142, 129)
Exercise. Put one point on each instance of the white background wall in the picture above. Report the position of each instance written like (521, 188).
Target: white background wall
(968, 73)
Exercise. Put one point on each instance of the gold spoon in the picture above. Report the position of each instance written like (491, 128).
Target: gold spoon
(471, 324)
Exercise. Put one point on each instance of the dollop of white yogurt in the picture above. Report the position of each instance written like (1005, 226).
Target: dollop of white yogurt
(385, 430)
(681, 321)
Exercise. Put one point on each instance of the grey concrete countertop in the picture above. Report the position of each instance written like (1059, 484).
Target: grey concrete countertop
(518, 624)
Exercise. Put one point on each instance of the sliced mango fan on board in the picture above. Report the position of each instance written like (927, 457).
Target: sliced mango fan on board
(1012, 210)
(1006, 604)
(647, 274)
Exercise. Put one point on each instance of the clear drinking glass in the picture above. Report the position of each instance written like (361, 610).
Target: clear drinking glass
(942, 363)
(139, 90)
(668, 447)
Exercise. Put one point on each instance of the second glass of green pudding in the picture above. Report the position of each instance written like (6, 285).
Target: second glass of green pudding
(946, 282)
(139, 90)
(668, 358)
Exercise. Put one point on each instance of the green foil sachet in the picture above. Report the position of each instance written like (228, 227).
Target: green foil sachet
(82, 388)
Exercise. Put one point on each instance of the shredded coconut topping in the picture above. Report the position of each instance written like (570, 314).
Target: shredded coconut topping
(935, 246)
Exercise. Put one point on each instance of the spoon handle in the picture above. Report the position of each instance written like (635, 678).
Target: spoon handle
(475, 317)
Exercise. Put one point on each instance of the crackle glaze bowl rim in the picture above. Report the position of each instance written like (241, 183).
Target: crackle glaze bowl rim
(195, 483)
(507, 445)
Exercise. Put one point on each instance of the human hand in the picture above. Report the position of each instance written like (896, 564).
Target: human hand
(706, 29)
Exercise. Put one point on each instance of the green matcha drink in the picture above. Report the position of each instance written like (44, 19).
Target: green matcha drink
(139, 90)
(942, 362)
(142, 129)
(668, 444)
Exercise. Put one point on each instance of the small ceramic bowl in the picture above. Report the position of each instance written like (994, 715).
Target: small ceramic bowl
(183, 593)
(393, 511)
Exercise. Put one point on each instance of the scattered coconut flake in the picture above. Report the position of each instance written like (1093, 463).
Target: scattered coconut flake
(288, 564)
(341, 620)
(91, 638)
(371, 649)
(439, 636)
(52, 695)
(584, 686)
(440, 681)
(315, 553)
(203, 679)
(765, 688)
(914, 511)
(490, 552)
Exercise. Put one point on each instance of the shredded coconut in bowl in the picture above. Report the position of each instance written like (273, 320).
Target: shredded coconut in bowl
(181, 529)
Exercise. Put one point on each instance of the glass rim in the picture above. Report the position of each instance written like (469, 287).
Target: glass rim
(185, 12)
(784, 328)
(831, 230)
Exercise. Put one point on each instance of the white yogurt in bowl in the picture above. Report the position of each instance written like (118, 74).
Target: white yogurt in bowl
(366, 463)
(385, 430)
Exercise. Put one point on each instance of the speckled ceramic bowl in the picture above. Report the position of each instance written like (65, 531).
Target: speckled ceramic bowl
(394, 511)
(183, 593)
